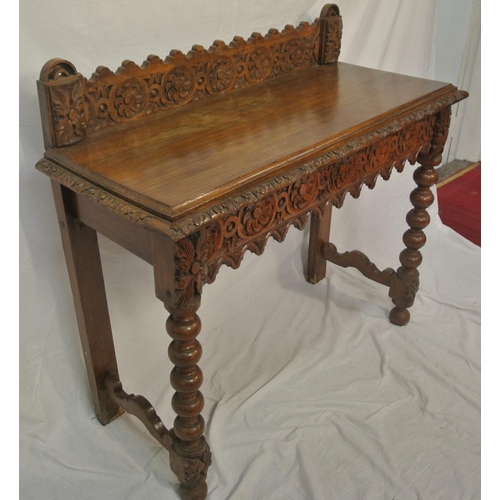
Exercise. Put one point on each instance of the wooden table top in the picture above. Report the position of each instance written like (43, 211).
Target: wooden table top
(173, 163)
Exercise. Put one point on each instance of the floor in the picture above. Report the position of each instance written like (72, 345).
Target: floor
(459, 198)
(452, 168)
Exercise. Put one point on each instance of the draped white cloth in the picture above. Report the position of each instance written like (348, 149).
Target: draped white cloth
(310, 392)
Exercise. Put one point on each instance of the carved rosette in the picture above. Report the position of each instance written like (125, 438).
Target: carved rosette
(129, 99)
(380, 162)
(177, 86)
(225, 239)
(293, 55)
(259, 64)
(256, 218)
(303, 193)
(222, 74)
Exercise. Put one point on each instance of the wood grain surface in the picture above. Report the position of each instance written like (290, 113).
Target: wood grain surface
(173, 162)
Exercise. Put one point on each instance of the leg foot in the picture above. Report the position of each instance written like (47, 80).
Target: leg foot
(399, 316)
(198, 493)
(191, 471)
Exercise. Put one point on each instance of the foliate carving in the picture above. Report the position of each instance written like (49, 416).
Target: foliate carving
(345, 173)
(324, 162)
(63, 105)
(440, 134)
(331, 34)
(379, 154)
(191, 471)
(379, 145)
(223, 234)
(410, 289)
(68, 112)
(192, 256)
(225, 238)
(332, 41)
(293, 55)
(192, 268)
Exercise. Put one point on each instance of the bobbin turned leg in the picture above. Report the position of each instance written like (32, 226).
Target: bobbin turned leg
(190, 454)
(405, 284)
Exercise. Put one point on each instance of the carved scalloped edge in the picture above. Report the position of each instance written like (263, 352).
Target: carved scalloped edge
(190, 224)
(199, 53)
(218, 47)
(141, 408)
(74, 107)
(258, 244)
(233, 257)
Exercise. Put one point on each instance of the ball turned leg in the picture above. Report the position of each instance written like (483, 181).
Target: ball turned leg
(405, 284)
(190, 454)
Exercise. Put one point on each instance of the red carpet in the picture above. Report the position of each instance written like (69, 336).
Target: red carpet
(459, 200)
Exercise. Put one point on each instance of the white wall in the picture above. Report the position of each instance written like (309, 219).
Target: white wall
(458, 61)
(452, 26)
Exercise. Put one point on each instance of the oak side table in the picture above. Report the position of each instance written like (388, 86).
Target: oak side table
(190, 161)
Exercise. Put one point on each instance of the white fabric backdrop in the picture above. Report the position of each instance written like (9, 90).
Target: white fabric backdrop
(310, 392)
